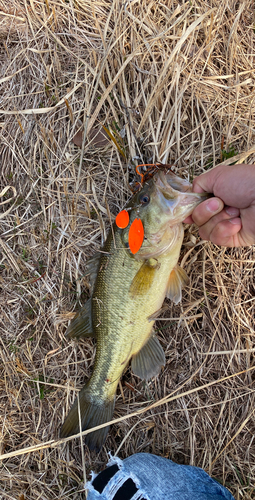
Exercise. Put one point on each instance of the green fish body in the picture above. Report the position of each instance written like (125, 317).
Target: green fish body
(128, 293)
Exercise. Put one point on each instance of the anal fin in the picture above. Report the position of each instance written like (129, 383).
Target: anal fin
(81, 325)
(147, 363)
(177, 280)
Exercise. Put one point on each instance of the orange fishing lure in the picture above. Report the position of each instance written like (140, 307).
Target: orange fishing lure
(136, 235)
(136, 231)
(122, 219)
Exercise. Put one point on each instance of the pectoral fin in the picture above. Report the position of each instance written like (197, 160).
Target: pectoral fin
(81, 325)
(147, 363)
(143, 279)
(177, 279)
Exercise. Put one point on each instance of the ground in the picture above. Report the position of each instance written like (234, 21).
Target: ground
(88, 91)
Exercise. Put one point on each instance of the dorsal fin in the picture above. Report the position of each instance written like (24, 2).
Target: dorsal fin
(92, 266)
(81, 325)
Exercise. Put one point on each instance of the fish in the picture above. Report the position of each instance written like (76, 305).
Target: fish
(129, 288)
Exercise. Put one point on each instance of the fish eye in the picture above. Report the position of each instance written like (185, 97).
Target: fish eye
(144, 199)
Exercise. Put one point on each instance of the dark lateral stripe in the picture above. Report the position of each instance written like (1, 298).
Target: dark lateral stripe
(104, 477)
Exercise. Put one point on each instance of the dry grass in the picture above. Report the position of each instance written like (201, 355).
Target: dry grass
(170, 81)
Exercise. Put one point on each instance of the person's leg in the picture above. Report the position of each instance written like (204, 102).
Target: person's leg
(147, 477)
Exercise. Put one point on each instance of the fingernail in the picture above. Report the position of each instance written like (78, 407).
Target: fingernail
(232, 211)
(235, 221)
(213, 205)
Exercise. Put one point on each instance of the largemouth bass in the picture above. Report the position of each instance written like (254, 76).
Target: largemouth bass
(128, 290)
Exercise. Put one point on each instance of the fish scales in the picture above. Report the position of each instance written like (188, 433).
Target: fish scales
(128, 290)
(120, 320)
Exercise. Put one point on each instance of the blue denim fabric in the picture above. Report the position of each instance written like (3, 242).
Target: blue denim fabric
(158, 478)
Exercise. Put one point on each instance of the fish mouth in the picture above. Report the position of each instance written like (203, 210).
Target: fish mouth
(177, 183)
(179, 200)
(172, 183)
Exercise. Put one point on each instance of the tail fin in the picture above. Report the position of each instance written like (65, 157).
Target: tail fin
(92, 414)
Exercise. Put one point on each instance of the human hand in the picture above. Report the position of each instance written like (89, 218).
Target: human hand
(227, 219)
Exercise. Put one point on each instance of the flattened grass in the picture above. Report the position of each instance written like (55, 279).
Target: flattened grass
(143, 82)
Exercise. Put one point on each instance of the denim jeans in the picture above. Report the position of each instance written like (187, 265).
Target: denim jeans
(147, 477)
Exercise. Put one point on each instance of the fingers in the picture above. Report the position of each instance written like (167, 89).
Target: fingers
(217, 223)
(206, 182)
(223, 233)
(227, 219)
(203, 212)
(206, 210)
(234, 184)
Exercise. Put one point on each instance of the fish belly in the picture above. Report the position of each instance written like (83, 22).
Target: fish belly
(121, 320)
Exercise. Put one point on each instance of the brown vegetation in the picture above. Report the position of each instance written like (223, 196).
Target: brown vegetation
(158, 81)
